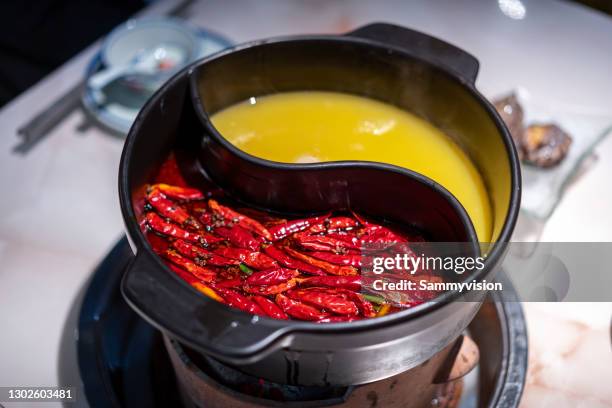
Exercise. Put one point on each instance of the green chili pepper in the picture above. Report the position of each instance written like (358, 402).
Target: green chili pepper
(245, 269)
(374, 299)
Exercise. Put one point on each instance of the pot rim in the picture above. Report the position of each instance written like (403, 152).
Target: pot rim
(285, 327)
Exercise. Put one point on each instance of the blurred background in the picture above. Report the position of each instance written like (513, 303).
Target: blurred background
(37, 36)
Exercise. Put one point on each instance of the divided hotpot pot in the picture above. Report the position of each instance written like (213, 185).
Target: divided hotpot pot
(421, 74)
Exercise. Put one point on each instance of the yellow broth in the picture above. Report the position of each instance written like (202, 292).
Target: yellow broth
(313, 126)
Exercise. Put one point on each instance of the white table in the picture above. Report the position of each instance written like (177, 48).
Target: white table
(60, 213)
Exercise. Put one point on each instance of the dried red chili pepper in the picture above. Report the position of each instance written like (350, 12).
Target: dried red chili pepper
(292, 263)
(324, 243)
(245, 222)
(299, 310)
(158, 224)
(333, 224)
(315, 246)
(271, 276)
(325, 299)
(235, 299)
(196, 283)
(200, 272)
(208, 291)
(252, 259)
(377, 234)
(345, 282)
(186, 276)
(348, 237)
(326, 266)
(206, 219)
(338, 259)
(229, 283)
(171, 210)
(158, 243)
(238, 236)
(339, 319)
(269, 307)
(270, 289)
(178, 193)
(200, 255)
(366, 309)
(290, 227)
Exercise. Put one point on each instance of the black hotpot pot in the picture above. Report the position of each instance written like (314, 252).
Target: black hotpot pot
(421, 74)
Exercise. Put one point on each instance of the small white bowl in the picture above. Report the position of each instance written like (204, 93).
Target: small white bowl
(125, 42)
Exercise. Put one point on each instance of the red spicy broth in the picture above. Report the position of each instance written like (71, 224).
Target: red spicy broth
(300, 268)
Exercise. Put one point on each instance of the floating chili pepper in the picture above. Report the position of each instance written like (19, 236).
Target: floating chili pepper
(235, 299)
(255, 259)
(208, 291)
(384, 309)
(292, 263)
(200, 272)
(178, 193)
(271, 276)
(171, 210)
(238, 236)
(245, 269)
(270, 289)
(376, 233)
(186, 276)
(229, 283)
(365, 308)
(379, 300)
(325, 299)
(241, 219)
(290, 227)
(299, 310)
(349, 237)
(270, 308)
(232, 274)
(339, 319)
(324, 243)
(346, 282)
(381, 235)
(200, 255)
(157, 242)
(206, 219)
(333, 224)
(338, 259)
(326, 266)
(158, 224)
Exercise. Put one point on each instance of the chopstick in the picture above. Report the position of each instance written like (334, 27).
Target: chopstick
(39, 126)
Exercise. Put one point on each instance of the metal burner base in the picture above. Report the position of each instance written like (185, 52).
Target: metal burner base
(205, 383)
(123, 362)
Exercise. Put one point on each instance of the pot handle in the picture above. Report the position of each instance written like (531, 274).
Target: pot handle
(170, 304)
(423, 46)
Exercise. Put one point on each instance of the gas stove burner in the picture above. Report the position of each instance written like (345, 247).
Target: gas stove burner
(207, 383)
(125, 362)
